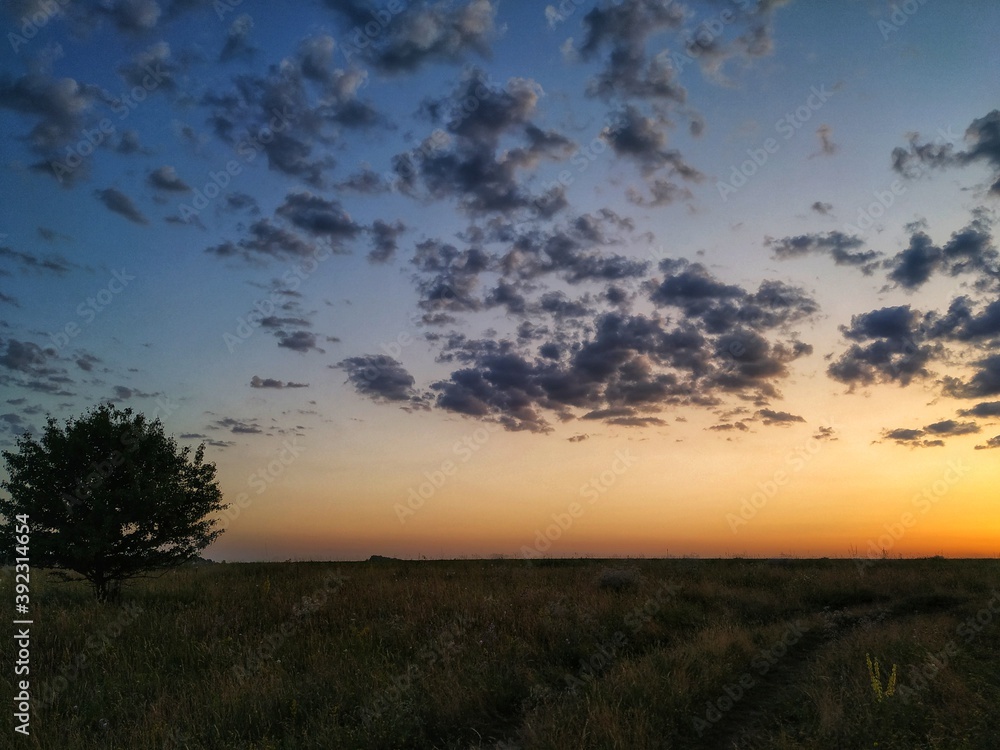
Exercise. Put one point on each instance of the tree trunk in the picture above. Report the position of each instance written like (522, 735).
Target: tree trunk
(107, 589)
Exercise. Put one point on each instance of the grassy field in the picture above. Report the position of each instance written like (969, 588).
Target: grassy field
(506, 654)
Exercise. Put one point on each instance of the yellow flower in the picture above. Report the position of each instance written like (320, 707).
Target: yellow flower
(875, 673)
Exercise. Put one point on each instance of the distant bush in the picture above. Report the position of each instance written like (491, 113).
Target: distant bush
(618, 579)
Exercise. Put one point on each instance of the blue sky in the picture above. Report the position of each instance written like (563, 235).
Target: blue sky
(519, 217)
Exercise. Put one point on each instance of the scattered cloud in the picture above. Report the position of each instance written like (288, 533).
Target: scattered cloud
(115, 200)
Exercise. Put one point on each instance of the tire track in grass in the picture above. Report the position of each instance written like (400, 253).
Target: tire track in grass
(776, 688)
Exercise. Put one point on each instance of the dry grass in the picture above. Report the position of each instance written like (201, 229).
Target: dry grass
(489, 654)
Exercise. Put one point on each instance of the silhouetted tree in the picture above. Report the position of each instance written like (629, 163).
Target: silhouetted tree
(109, 496)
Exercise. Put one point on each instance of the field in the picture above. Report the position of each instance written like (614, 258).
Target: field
(506, 654)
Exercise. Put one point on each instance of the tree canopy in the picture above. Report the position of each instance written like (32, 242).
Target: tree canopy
(109, 497)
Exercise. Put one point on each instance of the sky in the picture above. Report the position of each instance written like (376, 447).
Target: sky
(481, 277)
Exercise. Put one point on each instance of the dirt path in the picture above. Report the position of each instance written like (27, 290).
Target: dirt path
(785, 678)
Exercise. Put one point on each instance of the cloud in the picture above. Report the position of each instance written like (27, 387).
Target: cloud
(151, 69)
(841, 247)
(275, 321)
(295, 112)
(985, 382)
(165, 178)
(61, 109)
(382, 379)
(238, 39)
(823, 209)
(771, 417)
(425, 33)
(662, 193)
(573, 250)
(825, 433)
(983, 409)
(891, 346)
(298, 341)
(826, 145)
(366, 182)
(54, 264)
(242, 202)
(266, 241)
(982, 138)
(952, 427)
(623, 369)
(993, 442)
(237, 426)
(729, 426)
(930, 436)
(642, 139)
(465, 161)
(383, 237)
(624, 28)
(318, 217)
(26, 357)
(258, 382)
(722, 307)
(905, 436)
(133, 16)
(117, 201)
(912, 267)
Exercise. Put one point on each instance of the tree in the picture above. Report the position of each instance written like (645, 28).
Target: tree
(110, 497)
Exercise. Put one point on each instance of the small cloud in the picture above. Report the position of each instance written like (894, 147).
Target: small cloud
(822, 208)
(117, 201)
(771, 417)
(237, 426)
(952, 427)
(165, 178)
(258, 382)
(382, 378)
(984, 409)
(826, 144)
(298, 341)
(729, 426)
(825, 433)
(912, 437)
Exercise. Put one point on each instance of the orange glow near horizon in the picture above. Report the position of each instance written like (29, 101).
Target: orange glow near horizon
(624, 497)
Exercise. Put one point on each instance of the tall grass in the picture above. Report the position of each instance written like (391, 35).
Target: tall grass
(490, 654)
